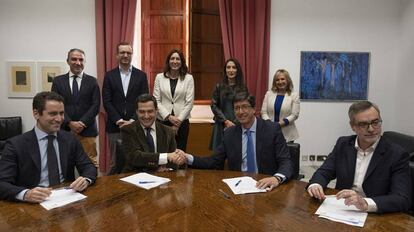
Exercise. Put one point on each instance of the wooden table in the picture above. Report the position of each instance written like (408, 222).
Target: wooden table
(190, 202)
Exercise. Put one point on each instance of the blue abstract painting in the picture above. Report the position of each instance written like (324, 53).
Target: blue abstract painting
(335, 76)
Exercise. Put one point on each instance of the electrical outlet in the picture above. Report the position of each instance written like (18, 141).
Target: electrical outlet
(304, 158)
(321, 158)
(311, 157)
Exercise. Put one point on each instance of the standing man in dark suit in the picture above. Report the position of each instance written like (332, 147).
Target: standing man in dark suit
(372, 173)
(254, 145)
(149, 145)
(82, 100)
(121, 88)
(43, 157)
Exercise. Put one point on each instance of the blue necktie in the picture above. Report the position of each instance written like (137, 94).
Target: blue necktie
(150, 140)
(251, 164)
(75, 88)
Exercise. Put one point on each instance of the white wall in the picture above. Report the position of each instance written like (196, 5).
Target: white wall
(404, 102)
(335, 25)
(42, 30)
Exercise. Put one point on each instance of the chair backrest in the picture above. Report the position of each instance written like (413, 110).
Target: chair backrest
(294, 150)
(120, 157)
(407, 143)
(9, 127)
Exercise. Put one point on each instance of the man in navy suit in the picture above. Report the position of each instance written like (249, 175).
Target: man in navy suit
(43, 157)
(372, 173)
(121, 88)
(254, 145)
(80, 92)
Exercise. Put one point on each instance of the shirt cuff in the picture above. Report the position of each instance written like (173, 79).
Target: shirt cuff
(190, 159)
(163, 159)
(286, 121)
(311, 185)
(372, 207)
(20, 195)
(281, 176)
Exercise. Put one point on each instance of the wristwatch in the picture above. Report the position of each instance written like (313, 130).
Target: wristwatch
(279, 179)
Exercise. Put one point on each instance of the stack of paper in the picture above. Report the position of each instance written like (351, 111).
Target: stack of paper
(336, 210)
(61, 197)
(145, 180)
(242, 185)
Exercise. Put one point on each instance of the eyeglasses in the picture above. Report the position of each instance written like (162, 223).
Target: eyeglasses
(365, 125)
(242, 108)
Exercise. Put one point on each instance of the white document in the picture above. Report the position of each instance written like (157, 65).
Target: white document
(145, 180)
(337, 211)
(61, 197)
(242, 185)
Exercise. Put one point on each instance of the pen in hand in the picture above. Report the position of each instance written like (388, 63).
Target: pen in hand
(224, 194)
(238, 182)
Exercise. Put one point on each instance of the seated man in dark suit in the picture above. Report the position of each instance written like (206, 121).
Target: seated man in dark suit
(371, 172)
(149, 145)
(43, 157)
(254, 145)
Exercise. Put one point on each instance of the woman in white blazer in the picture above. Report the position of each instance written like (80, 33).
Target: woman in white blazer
(282, 105)
(174, 91)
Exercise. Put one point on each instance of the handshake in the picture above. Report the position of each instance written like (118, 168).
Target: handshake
(178, 157)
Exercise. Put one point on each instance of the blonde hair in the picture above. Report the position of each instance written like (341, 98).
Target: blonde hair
(287, 76)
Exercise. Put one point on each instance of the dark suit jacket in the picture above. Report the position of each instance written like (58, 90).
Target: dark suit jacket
(136, 149)
(85, 107)
(387, 180)
(272, 153)
(20, 162)
(118, 106)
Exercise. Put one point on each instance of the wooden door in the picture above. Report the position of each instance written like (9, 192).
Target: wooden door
(164, 28)
(206, 48)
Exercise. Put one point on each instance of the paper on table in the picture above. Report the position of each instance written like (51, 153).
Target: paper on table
(246, 184)
(145, 180)
(336, 210)
(61, 197)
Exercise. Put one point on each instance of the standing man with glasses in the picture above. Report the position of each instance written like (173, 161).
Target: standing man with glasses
(253, 146)
(43, 157)
(371, 172)
(121, 88)
(82, 100)
(149, 145)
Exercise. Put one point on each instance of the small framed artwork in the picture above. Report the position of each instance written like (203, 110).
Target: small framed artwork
(334, 76)
(21, 77)
(47, 71)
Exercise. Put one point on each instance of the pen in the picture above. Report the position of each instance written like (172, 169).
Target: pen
(146, 182)
(238, 182)
(224, 194)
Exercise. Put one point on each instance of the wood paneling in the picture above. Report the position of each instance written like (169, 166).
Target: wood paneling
(164, 26)
(199, 139)
(206, 47)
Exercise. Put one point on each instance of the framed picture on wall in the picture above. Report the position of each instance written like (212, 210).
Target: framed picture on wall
(334, 76)
(47, 71)
(21, 78)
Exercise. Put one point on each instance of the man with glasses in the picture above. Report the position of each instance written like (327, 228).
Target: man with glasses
(121, 87)
(254, 146)
(371, 172)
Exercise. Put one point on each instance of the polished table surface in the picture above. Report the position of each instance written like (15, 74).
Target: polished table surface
(190, 202)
